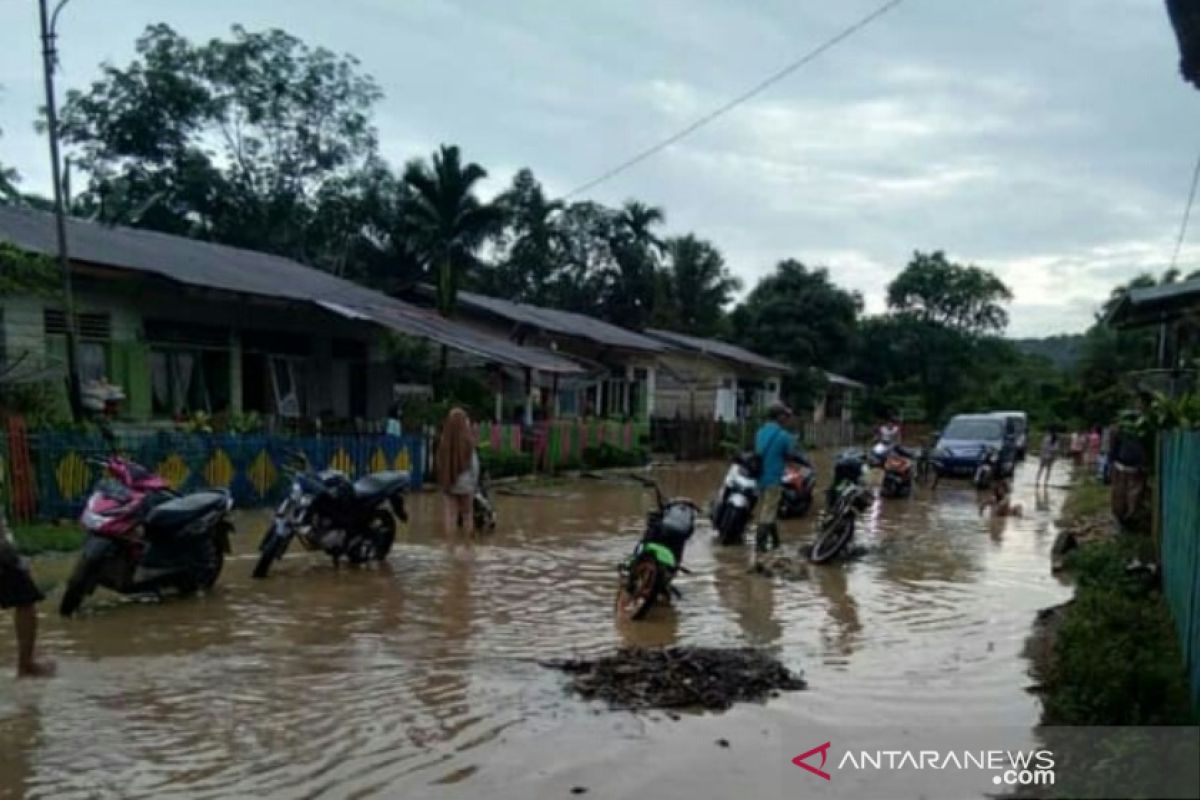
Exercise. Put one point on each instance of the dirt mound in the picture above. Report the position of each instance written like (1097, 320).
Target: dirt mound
(678, 677)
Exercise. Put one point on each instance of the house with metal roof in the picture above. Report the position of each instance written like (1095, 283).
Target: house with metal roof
(182, 326)
(620, 365)
(710, 379)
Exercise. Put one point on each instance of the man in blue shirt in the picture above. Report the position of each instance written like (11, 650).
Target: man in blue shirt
(772, 444)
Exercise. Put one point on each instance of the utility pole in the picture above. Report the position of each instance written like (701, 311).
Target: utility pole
(49, 62)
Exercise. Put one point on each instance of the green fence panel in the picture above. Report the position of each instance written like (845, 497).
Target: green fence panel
(1179, 481)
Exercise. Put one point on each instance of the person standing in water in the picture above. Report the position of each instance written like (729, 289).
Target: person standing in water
(1046, 456)
(772, 444)
(20, 593)
(457, 467)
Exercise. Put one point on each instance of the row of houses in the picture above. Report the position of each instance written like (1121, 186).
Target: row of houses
(184, 326)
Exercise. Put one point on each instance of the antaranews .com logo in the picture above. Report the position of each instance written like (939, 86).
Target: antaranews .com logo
(1008, 767)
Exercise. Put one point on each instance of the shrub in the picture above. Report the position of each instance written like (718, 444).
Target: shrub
(504, 464)
(1116, 658)
(606, 456)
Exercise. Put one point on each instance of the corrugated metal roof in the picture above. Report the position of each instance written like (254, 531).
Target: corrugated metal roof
(1154, 304)
(566, 323)
(842, 380)
(214, 266)
(719, 349)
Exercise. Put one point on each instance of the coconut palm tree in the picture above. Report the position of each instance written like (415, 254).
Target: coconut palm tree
(447, 222)
(636, 251)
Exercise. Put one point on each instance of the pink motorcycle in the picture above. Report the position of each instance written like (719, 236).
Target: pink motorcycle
(142, 537)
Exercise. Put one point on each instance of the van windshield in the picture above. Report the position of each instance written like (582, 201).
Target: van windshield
(974, 430)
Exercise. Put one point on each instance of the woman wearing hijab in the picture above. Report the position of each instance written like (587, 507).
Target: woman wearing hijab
(457, 467)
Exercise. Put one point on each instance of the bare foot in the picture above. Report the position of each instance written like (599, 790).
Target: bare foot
(38, 668)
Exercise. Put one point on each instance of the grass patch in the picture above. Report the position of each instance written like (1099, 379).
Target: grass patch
(1088, 497)
(1113, 657)
(43, 537)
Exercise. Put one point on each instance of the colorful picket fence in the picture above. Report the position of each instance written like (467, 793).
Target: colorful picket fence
(560, 444)
(1179, 495)
(253, 467)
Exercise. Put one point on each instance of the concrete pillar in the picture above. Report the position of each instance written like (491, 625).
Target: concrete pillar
(235, 373)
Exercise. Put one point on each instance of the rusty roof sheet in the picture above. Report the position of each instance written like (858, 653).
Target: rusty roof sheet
(215, 266)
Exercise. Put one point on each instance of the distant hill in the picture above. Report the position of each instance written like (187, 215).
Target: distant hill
(1063, 350)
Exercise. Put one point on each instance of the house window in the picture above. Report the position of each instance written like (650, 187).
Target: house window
(184, 381)
(286, 382)
(91, 349)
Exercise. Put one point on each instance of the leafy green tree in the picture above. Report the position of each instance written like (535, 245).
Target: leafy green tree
(694, 287)
(636, 250)
(531, 248)
(236, 140)
(965, 298)
(937, 347)
(446, 221)
(587, 230)
(799, 316)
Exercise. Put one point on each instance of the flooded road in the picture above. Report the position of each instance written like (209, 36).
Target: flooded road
(420, 678)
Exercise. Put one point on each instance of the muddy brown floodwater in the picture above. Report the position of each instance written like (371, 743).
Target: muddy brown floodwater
(420, 678)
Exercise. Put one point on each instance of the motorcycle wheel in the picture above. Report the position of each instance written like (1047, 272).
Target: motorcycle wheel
(212, 564)
(732, 528)
(375, 542)
(835, 536)
(82, 583)
(383, 533)
(640, 589)
(272, 549)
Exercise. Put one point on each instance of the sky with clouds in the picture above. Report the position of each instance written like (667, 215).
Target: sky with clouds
(1050, 141)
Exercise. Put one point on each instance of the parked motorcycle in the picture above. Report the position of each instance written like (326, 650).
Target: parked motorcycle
(648, 574)
(799, 481)
(899, 472)
(328, 512)
(879, 453)
(733, 507)
(847, 497)
(143, 537)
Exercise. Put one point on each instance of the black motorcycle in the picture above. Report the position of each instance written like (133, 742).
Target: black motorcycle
(847, 498)
(733, 507)
(649, 572)
(344, 519)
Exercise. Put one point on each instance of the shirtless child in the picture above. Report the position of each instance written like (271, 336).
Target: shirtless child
(1000, 501)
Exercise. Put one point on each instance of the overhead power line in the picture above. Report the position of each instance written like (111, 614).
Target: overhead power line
(770, 80)
(1187, 214)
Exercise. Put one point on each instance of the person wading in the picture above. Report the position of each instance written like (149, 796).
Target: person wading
(20, 593)
(772, 444)
(457, 467)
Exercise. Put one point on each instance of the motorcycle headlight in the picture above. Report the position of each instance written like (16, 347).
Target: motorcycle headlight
(297, 491)
(92, 520)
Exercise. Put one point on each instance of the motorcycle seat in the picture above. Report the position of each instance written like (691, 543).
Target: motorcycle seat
(380, 484)
(182, 510)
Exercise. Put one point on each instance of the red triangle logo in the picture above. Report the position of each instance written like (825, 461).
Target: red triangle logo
(818, 771)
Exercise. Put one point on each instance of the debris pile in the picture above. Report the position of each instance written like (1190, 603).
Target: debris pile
(678, 677)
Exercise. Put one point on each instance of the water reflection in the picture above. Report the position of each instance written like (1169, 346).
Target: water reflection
(423, 672)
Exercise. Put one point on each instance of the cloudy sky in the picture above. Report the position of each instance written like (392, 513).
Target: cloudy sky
(1049, 140)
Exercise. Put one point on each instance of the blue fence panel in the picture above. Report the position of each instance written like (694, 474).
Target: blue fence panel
(253, 467)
